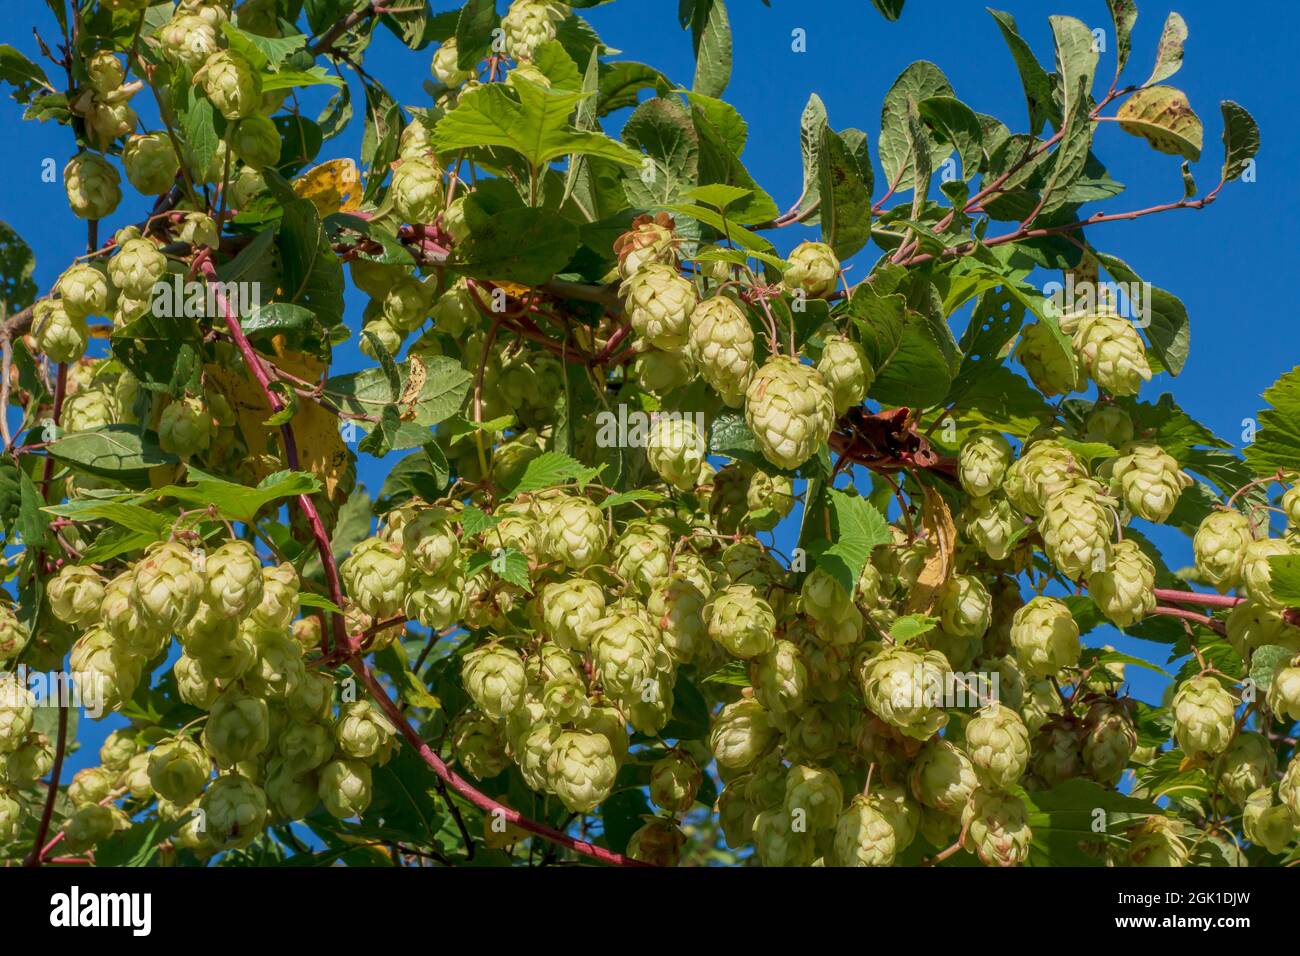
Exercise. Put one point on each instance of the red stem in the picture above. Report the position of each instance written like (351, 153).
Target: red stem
(1195, 597)
(308, 507)
(467, 790)
(1178, 612)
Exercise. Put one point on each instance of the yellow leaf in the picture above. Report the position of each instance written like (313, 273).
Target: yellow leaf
(513, 288)
(333, 187)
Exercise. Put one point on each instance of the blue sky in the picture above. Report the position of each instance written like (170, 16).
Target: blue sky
(1229, 263)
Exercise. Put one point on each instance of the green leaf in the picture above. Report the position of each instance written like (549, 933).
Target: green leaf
(290, 79)
(133, 517)
(550, 469)
(920, 81)
(297, 324)
(32, 523)
(911, 626)
(859, 528)
(1265, 662)
(311, 599)
(621, 82)
(1277, 443)
(312, 274)
(234, 501)
(474, 28)
(1162, 116)
(475, 521)
(262, 52)
(663, 129)
(1284, 579)
(198, 126)
(718, 195)
(22, 74)
(17, 290)
(845, 199)
(889, 9)
(1240, 139)
(535, 125)
(116, 451)
(956, 123)
(523, 245)
(1071, 155)
(441, 394)
(1037, 84)
(1123, 15)
(711, 38)
(1168, 328)
(1169, 51)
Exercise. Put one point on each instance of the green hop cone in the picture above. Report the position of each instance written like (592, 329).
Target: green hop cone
(627, 654)
(76, 594)
(965, 606)
(166, 588)
(741, 732)
(1147, 479)
(1257, 573)
(864, 836)
(722, 347)
(118, 749)
(659, 302)
(658, 842)
(416, 191)
(238, 728)
(676, 449)
(24, 766)
(245, 186)
(278, 603)
(363, 732)
(569, 609)
(86, 827)
(984, 460)
(660, 372)
(943, 777)
(1044, 468)
(234, 578)
(1284, 692)
(1045, 637)
(1076, 526)
(642, 554)
(388, 336)
(1268, 825)
(575, 533)
(436, 601)
(1248, 764)
(998, 743)
(813, 269)
(1125, 591)
(991, 525)
(105, 673)
(676, 605)
(1049, 363)
(59, 337)
(17, 713)
(105, 71)
(13, 634)
(346, 788)
(790, 411)
(232, 84)
(291, 795)
(188, 39)
(92, 185)
(90, 785)
(407, 303)
(822, 596)
(255, 141)
(1219, 546)
(178, 770)
(430, 541)
(581, 770)
(150, 163)
(1291, 506)
(674, 781)
(1288, 789)
(1108, 424)
(997, 828)
(777, 842)
(1251, 625)
(780, 678)
(375, 576)
(87, 410)
(494, 678)
(137, 267)
(446, 64)
(84, 291)
(768, 493)
(305, 746)
(847, 372)
(1204, 714)
(234, 811)
(1110, 739)
(530, 23)
(1110, 350)
(904, 689)
(1157, 842)
(107, 119)
(741, 621)
(813, 798)
(479, 745)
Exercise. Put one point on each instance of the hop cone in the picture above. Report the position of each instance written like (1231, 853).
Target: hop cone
(1203, 713)
(741, 621)
(659, 303)
(983, 462)
(998, 743)
(847, 371)
(997, 828)
(790, 411)
(722, 347)
(1125, 590)
(1045, 637)
(1148, 480)
(1219, 546)
(813, 268)
(1076, 528)
(1111, 352)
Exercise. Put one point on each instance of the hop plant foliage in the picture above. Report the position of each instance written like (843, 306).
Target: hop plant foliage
(719, 549)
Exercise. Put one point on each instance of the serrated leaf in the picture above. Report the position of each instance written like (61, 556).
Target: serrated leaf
(908, 627)
(859, 528)
(550, 469)
(1265, 662)
(22, 74)
(1277, 442)
(1284, 579)
(475, 521)
(234, 501)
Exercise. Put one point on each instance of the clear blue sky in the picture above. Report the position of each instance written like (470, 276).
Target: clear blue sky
(1229, 263)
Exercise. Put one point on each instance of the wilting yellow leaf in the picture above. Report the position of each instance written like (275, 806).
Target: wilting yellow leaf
(942, 534)
(333, 187)
(513, 288)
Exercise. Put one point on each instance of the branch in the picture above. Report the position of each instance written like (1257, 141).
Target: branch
(308, 506)
(1205, 621)
(326, 43)
(463, 788)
